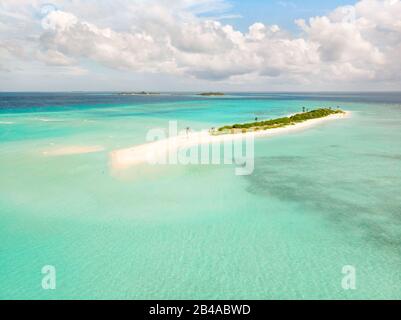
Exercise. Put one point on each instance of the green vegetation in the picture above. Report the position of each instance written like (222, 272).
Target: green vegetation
(211, 94)
(277, 123)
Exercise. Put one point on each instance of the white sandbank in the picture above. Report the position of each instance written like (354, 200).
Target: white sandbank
(71, 150)
(125, 158)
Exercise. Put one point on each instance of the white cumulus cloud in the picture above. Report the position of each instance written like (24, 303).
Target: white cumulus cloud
(352, 43)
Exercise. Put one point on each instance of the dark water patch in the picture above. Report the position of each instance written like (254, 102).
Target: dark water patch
(383, 156)
(364, 97)
(48, 102)
(355, 203)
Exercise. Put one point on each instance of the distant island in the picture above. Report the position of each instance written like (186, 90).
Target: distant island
(277, 123)
(211, 94)
(141, 93)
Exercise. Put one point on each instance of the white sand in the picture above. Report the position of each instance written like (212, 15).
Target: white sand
(125, 158)
(71, 150)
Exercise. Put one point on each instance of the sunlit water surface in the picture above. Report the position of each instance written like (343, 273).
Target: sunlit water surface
(318, 200)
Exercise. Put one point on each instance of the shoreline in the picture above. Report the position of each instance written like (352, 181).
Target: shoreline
(145, 153)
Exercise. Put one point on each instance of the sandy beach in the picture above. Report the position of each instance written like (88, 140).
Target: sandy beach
(150, 152)
(72, 150)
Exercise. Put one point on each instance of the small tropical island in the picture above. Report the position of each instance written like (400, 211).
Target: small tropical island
(141, 93)
(277, 123)
(124, 158)
(212, 94)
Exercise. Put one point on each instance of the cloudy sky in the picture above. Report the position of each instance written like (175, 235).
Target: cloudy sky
(173, 45)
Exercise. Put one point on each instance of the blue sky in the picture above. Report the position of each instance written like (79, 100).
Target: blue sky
(282, 13)
(174, 45)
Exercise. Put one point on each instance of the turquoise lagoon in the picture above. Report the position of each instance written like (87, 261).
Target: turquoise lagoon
(318, 200)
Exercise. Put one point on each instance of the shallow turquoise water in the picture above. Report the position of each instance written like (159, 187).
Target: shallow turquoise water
(318, 200)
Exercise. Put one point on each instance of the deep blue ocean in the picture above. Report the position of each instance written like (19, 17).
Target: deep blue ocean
(55, 101)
